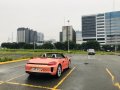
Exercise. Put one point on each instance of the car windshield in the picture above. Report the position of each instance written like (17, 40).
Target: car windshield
(53, 55)
(91, 50)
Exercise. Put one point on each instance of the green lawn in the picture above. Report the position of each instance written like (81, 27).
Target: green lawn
(14, 54)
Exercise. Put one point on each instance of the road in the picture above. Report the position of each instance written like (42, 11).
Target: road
(99, 72)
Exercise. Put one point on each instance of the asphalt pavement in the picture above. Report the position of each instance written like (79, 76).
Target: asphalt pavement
(94, 72)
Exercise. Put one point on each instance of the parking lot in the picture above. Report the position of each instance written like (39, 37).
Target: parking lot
(94, 72)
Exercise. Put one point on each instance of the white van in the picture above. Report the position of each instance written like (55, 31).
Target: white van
(91, 52)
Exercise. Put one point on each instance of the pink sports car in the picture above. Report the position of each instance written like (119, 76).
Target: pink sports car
(48, 63)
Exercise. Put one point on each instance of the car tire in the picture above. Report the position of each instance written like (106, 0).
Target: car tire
(31, 75)
(59, 71)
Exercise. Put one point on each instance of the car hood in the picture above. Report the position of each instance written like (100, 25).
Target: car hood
(42, 60)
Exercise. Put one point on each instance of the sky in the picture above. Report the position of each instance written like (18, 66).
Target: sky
(48, 16)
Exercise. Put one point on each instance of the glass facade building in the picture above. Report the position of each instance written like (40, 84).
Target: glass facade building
(104, 27)
(78, 37)
(89, 27)
(112, 26)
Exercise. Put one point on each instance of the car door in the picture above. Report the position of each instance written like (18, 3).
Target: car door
(64, 62)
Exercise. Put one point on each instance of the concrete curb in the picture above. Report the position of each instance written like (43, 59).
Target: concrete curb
(14, 61)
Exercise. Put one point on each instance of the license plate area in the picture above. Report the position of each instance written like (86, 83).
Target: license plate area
(35, 69)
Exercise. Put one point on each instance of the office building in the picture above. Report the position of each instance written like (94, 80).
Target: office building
(29, 36)
(103, 27)
(78, 37)
(112, 27)
(23, 35)
(100, 28)
(60, 36)
(40, 37)
(89, 27)
(68, 33)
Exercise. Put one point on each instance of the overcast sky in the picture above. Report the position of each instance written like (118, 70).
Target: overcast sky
(47, 16)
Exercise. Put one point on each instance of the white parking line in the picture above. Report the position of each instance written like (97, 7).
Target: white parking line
(17, 66)
(15, 77)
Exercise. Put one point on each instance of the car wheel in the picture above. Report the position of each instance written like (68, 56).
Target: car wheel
(31, 75)
(59, 71)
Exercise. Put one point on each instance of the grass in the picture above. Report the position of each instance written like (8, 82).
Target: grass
(14, 54)
(4, 59)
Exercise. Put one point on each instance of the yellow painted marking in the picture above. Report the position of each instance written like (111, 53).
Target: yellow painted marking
(1, 82)
(117, 84)
(15, 77)
(34, 86)
(113, 78)
(29, 85)
(56, 86)
(14, 61)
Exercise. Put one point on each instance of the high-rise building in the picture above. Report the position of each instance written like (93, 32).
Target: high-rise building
(100, 28)
(89, 27)
(68, 33)
(23, 35)
(29, 36)
(112, 27)
(40, 37)
(78, 37)
(103, 27)
(60, 34)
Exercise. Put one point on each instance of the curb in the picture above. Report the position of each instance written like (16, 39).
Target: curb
(14, 61)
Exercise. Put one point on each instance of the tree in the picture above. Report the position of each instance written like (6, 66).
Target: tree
(118, 47)
(47, 46)
(78, 47)
(59, 45)
(108, 47)
(91, 45)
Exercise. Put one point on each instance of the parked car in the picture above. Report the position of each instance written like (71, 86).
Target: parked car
(48, 63)
(91, 52)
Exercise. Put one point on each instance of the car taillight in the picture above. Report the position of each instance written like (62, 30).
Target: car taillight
(52, 63)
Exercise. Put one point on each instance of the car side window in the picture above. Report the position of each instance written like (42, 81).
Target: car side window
(44, 55)
(60, 56)
(53, 55)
